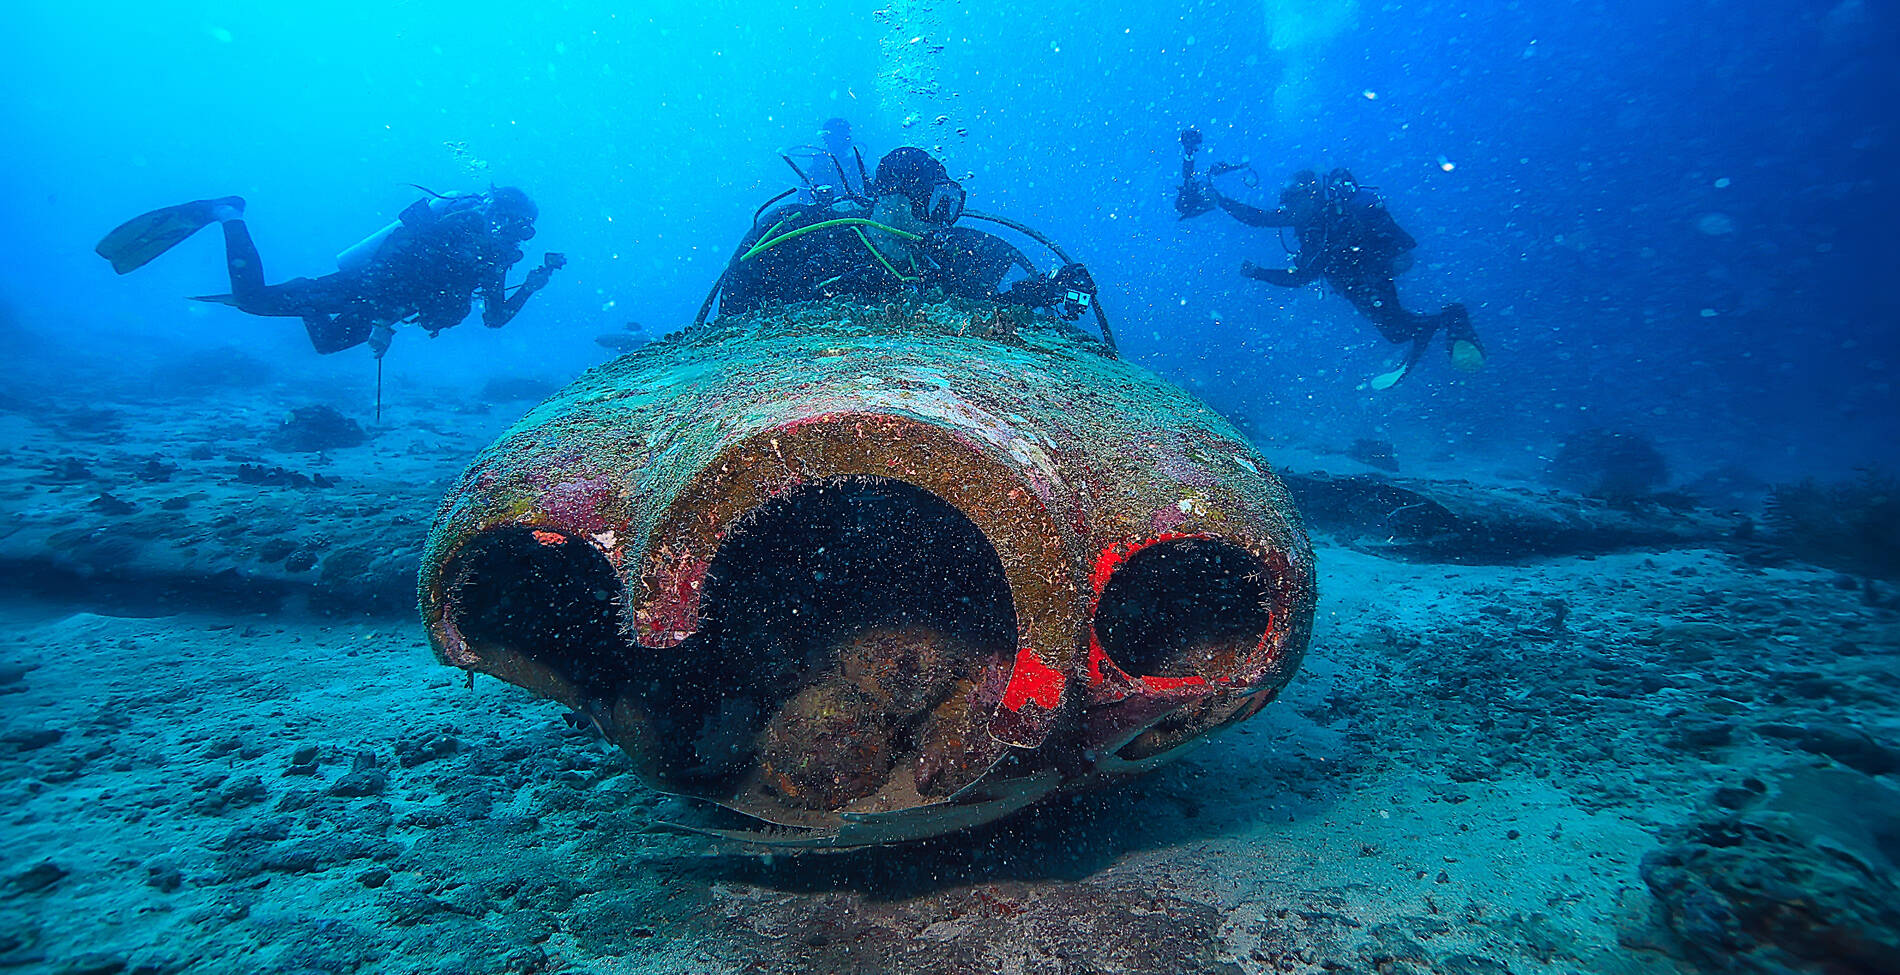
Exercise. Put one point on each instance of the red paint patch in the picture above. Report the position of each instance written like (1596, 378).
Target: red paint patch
(1032, 680)
(1097, 656)
(1109, 559)
(1106, 562)
(548, 538)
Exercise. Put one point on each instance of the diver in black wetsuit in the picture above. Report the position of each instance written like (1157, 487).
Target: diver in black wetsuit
(428, 267)
(1347, 237)
(899, 239)
(830, 167)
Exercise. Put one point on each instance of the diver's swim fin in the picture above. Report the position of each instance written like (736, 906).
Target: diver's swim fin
(216, 299)
(1387, 380)
(1466, 355)
(134, 243)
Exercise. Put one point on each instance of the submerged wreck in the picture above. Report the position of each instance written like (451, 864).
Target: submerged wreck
(843, 575)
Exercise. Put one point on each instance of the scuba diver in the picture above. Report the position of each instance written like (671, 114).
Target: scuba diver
(426, 267)
(1348, 238)
(898, 238)
(831, 168)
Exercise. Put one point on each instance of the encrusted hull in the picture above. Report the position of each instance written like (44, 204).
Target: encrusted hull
(858, 575)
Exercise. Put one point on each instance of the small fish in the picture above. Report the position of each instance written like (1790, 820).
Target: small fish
(620, 341)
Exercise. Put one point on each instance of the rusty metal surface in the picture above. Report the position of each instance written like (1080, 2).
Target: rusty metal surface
(985, 523)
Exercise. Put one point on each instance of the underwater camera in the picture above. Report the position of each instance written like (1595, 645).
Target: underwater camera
(555, 260)
(1074, 302)
(1193, 199)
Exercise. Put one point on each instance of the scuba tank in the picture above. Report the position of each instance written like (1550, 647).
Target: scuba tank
(358, 256)
(1355, 210)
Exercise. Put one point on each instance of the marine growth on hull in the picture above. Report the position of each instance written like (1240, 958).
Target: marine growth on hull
(860, 575)
(845, 626)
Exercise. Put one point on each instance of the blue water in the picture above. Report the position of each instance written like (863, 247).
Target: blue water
(1670, 218)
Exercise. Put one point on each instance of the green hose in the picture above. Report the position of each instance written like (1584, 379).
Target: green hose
(771, 242)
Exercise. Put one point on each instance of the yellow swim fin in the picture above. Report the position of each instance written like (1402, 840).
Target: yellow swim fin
(134, 243)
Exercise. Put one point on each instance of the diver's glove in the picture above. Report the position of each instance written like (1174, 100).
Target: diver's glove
(538, 278)
(380, 335)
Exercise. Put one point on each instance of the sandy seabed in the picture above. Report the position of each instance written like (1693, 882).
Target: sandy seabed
(1646, 761)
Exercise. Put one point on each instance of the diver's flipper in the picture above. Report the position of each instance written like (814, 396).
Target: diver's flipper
(1387, 380)
(216, 299)
(134, 243)
(1466, 355)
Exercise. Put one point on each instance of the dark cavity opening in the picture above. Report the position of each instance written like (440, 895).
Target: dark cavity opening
(1191, 607)
(842, 625)
(545, 594)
